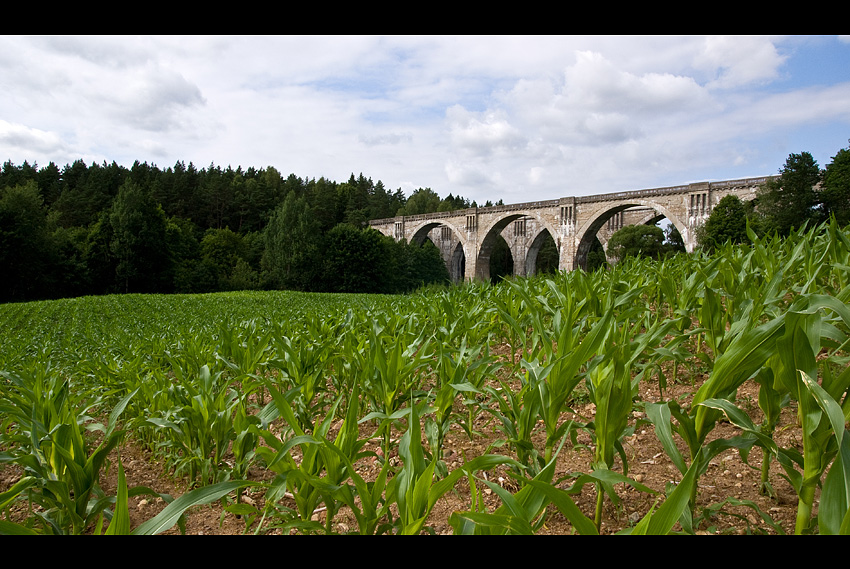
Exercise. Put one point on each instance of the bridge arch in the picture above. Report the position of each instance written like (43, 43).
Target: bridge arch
(419, 232)
(454, 257)
(493, 231)
(457, 263)
(651, 217)
(586, 233)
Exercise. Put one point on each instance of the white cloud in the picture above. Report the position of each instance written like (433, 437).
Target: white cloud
(482, 134)
(32, 140)
(150, 99)
(386, 139)
(739, 60)
(485, 117)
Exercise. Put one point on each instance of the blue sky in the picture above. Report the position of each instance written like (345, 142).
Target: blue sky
(518, 118)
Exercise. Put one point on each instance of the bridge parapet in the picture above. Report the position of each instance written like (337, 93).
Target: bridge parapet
(683, 189)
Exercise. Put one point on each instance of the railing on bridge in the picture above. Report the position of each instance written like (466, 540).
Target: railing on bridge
(672, 190)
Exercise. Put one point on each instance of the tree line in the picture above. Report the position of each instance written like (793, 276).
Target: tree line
(104, 228)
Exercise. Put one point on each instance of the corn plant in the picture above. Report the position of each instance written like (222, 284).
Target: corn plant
(413, 489)
(772, 398)
(558, 378)
(834, 511)
(611, 390)
(366, 500)
(302, 361)
(199, 425)
(459, 313)
(323, 466)
(62, 472)
(747, 353)
(518, 412)
(522, 513)
(245, 351)
(460, 371)
(515, 316)
(390, 360)
(244, 444)
(612, 382)
(822, 419)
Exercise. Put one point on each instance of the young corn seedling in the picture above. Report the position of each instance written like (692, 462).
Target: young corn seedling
(460, 371)
(63, 473)
(523, 513)
(321, 471)
(413, 489)
(200, 424)
(245, 351)
(518, 412)
(747, 353)
(390, 366)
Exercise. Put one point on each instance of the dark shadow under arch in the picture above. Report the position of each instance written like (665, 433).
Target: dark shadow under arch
(501, 260)
(457, 264)
(542, 254)
(488, 244)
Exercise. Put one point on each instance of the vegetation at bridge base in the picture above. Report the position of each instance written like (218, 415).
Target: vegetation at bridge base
(636, 241)
(727, 222)
(649, 241)
(835, 187)
(791, 200)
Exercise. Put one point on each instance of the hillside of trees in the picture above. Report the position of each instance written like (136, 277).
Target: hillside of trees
(104, 228)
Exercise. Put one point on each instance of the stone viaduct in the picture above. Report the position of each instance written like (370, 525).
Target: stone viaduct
(466, 238)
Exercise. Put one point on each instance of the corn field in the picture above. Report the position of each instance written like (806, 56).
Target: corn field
(305, 387)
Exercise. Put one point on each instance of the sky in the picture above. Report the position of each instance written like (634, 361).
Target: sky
(516, 118)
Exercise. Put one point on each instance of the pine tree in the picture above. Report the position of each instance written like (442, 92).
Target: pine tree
(835, 192)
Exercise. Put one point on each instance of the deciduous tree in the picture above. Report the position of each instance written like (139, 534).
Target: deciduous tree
(727, 222)
(636, 240)
(24, 242)
(356, 260)
(139, 241)
(292, 246)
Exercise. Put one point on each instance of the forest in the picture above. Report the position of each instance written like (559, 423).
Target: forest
(101, 229)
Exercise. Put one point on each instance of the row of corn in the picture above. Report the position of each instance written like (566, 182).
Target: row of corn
(306, 387)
